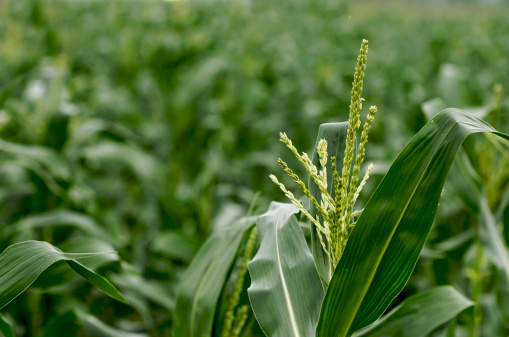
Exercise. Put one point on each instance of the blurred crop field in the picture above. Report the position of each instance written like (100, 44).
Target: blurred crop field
(145, 126)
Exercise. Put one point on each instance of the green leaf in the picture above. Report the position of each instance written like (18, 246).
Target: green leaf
(335, 135)
(492, 242)
(59, 278)
(95, 327)
(109, 154)
(455, 241)
(6, 327)
(76, 319)
(65, 321)
(419, 314)
(385, 244)
(491, 239)
(46, 156)
(201, 285)
(22, 263)
(174, 245)
(60, 217)
(285, 291)
(146, 289)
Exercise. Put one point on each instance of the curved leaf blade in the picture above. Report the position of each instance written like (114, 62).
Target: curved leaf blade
(144, 289)
(419, 314)
(22, 263)
(285, 291)
(493, 245)
(95, 327)
(61, 278)
(201, 285)
(395, 224)
(5, 326)
(491, 239)
(60, 217)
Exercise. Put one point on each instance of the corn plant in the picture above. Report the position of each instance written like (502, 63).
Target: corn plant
(360, 259)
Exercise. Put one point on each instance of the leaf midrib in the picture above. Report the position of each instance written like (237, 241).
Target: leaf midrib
(283, 282)
(372, 275)
(22, 260)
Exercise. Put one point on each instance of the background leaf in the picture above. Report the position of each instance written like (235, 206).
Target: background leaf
(94, 327)
(419, 314)
(60, 217)
(285, 291)
(201, 285)
(22, 263)
(493, 245)
(6, 327)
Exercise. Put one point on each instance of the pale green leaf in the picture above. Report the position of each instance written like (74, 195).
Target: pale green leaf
(335, 134)
(286, 292)
(201, 285)
(22, 263)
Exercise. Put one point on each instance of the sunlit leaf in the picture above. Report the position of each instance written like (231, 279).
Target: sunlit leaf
(385, 244)
(22, 263)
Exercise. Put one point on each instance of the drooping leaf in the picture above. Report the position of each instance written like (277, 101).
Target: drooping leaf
(201, 285)
(493, 245)
(502, 214)
(60, 217)
(145, 289)
(6, 327)
(26, 163)
(286, 292)
(175, 245)
(46, 156)
(22, 263)
(72, 322)
(146, 167)
(66, 321)
(419, 314)
(491, 239)
(95, 327)
(335, 135)
(59, 278)
(455, 241)
(15, 190)
(385, 244)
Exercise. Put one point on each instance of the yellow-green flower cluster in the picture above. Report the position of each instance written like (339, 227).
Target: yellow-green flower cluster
(336, 215)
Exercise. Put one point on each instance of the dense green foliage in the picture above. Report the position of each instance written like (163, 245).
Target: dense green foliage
(146, 127)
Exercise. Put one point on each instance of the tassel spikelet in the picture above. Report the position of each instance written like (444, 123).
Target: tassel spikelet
(337, 214)
(234, 321)
(240, 320)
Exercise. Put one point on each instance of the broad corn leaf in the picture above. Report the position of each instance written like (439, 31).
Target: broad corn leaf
(22, 263)
(419, 314)
(385, 244)
(286, 292)
(201, 285)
